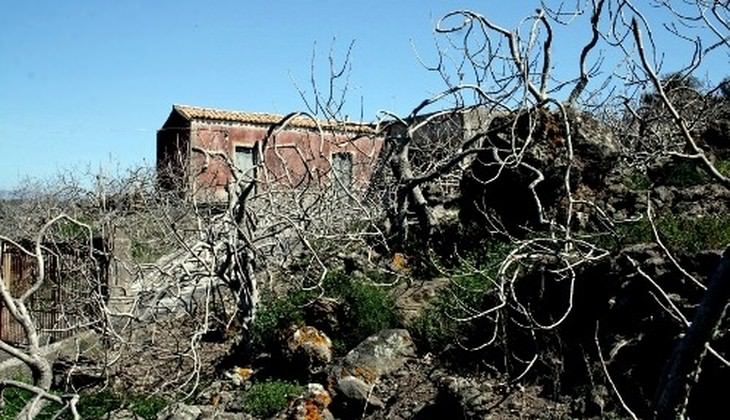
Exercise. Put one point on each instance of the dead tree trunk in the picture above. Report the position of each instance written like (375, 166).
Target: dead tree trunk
(682, 368)
(410, 196)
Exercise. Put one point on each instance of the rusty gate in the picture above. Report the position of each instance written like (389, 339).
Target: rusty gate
(67, 300)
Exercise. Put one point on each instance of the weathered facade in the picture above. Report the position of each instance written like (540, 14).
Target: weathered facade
(197, 149)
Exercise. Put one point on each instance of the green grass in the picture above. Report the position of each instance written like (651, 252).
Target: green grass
(683, 173)
(437, 326)
(66, 230)
(145, 252)
(276, 314)
(680, 234)
(265, 399)
(723, 166)
(91, 406)
(147, 407)
(687, 173)
(13, 401)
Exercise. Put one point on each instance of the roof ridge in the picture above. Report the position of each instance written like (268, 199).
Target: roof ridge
(210, 108)
(266, 118)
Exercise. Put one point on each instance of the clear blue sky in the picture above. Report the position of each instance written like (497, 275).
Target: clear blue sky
(85, 84)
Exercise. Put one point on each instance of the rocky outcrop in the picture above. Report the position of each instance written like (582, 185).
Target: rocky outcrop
(312, 405)
(544, 145)
(353, 380)
(325, 314)
(308, 350)
(412, 299)
(122, 414)
(473, 398)
(224, 395)
(182, 411)
(239, 376)
(476, 398)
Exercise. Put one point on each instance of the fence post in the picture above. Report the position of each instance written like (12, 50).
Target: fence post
(121, 295)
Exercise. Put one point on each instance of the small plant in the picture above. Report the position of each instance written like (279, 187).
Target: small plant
(434, 330)
(276, 314)
(69, 231)
(97, 405)
(471, 281)
(723, 166)
(90, 406)
(682, 173)
(369, 308)
(637, 181)
(265, 399)
(14, 399)
(680, 233)
(145, 252)
(437, 326)
(147, 407)
(100, 404)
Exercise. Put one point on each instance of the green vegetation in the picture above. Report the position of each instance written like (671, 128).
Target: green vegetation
(147, 407)
(683, 173)
(680, 233)
(265, 399)
(67, 231)
(438, 327)
(723, 166)
(276, 314)
(99, 404)
(367, 310)
(686, 173)
(637, 181)
(90, 406)
(13, 401)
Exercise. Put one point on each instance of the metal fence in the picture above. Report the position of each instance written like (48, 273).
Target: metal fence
(67, 300)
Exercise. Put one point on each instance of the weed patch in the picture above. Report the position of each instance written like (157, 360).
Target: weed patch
(367, 310)
(637, 181)
(723, 166)
(276, 314)
(680, 234)
(91, 406)
(14, 399)
(267, 398)
(681, 173)
(686, 173)
(439, 326)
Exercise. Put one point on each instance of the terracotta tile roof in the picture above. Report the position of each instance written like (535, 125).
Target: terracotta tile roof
(200, 113)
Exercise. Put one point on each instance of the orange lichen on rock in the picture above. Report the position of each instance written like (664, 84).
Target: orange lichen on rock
(313, 343)
(239, 375)
(400, 262)
(244, 373)
(308, 336)
(312, 405)
(366, 374)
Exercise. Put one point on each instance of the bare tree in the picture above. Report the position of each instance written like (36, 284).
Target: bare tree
(44, 247)
(517, 148)
(537, 163)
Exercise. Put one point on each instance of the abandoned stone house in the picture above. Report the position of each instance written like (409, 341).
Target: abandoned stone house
(197, 147)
